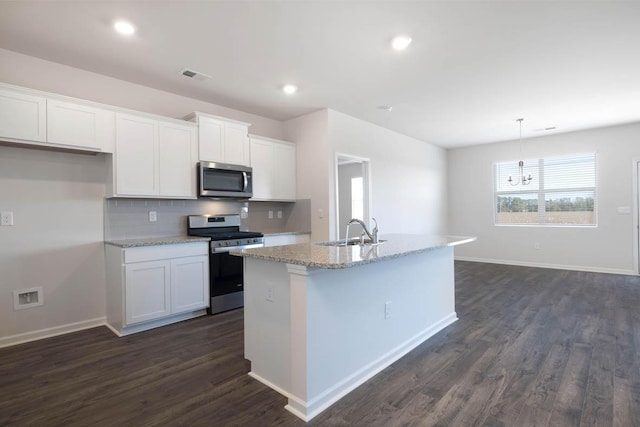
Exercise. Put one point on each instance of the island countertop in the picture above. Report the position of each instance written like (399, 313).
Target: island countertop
(319, 255)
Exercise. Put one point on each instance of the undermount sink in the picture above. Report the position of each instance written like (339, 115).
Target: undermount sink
(351, 242)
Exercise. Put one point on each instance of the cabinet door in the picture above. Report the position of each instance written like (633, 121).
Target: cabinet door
(210, 139)
(147, 291)
(261, 159)
(236, 144)
(136, 156)
(23, 116)
(189, 283)
(80, 125)
(284, 163)
(177, 165)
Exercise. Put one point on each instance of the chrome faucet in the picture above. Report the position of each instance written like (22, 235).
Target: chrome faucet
(373, 235)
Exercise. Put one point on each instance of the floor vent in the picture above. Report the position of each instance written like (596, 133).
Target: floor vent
(27, 298)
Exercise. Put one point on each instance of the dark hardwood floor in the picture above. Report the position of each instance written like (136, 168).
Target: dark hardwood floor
(532, 347)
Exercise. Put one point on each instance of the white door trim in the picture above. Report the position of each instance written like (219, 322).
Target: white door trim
(636, 214)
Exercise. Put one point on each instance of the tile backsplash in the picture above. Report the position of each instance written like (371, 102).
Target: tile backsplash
(295, 216)
(129, 218)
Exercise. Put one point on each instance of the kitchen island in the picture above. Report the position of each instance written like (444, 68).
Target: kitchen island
(320, 319)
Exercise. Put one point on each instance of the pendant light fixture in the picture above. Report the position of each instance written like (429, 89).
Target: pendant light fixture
(522, 178)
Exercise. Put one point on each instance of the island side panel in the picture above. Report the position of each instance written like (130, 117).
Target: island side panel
(267, 326)
(346, 338)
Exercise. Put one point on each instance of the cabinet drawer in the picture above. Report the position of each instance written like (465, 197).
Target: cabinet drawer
(151, 253)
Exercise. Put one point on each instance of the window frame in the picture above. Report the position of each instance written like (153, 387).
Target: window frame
(541, 192)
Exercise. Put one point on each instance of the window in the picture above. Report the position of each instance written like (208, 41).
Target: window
(562, 192)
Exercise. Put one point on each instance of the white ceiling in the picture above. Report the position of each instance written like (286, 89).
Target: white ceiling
(473, 67)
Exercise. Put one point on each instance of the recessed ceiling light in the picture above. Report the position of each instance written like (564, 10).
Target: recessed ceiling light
(387, 108)
(289, 89)
(124, 27)
(400, 42)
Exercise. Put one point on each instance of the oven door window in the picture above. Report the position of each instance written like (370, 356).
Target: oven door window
(223, 180)
(225, 273)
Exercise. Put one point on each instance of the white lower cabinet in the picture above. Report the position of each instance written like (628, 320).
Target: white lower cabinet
(147, 291)
(152, 286)
(187, 276)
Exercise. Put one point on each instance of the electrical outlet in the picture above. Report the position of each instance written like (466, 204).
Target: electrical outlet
(320, 213)
(6, 218)
(270, 214)
(387, 310)
(279, 214)
(153, 216)
(536, 245)
(269, 294)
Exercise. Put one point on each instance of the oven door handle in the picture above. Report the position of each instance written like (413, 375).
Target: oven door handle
(228, 248)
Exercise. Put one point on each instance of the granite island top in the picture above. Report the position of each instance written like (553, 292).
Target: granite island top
(317, 255)
(155, 241)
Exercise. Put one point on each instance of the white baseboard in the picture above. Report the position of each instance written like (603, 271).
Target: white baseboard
(145, 326)
(269, 384)
(546, 265)
(309, 409)
(51, 332)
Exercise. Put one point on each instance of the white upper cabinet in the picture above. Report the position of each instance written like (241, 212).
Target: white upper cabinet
(222, 140)
(80, 125)
(274, 169)
(211, 139)
(23, 116)
(30, 118)
(236, 144)
(284, 157)
(177, 160)
(136, 156)
(154, 158)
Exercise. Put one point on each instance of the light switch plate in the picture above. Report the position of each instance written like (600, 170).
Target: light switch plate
(153, 216)
(624, 210)
(6, 218)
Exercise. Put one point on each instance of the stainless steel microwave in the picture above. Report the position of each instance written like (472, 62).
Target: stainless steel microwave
(225, 180)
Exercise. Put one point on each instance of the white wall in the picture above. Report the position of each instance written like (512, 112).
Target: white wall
(310, 133)
(56, 241)
(607, 247)
(408, 176)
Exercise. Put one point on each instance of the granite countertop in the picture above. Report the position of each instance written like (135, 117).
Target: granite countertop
(315, 255)
(156, 241)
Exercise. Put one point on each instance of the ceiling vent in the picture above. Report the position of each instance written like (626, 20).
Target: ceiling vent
(194, 74)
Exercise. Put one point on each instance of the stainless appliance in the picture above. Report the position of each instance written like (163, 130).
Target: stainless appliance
(226, 284)
(225, 180)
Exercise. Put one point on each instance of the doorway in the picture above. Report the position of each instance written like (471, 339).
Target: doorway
(353, 193)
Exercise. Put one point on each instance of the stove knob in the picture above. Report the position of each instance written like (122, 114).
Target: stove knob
(238, 242)
(224, 243)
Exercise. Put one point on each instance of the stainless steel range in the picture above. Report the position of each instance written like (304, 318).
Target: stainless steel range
(225, 271)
